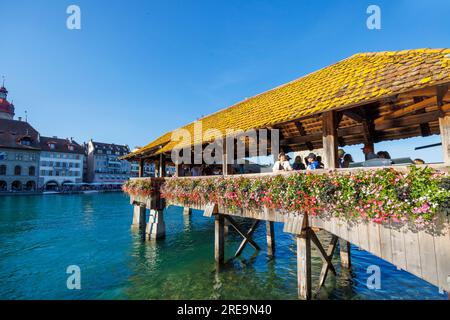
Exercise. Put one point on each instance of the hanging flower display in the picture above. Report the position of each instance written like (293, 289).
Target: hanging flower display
(379, 195)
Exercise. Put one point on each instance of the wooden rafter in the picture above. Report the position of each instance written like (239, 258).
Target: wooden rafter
(441, 91)
(407, 110)
(424, 127)
(302, 132)
(408, 120)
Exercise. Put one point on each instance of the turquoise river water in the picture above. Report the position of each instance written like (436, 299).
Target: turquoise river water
(40, 236)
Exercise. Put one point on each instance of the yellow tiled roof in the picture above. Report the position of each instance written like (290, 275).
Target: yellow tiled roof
(356, 80)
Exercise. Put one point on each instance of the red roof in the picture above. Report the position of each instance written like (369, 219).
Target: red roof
(7, 107)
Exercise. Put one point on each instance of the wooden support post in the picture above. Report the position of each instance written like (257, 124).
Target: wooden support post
(162, 165)
(270, 234)
(138, 216)
(227, 158)
(330, 139)
(444, 126)
(219, 243)
(141, 168)
(179, 172)
(186, 211)
(226, 227)
(304, 265)
(344, 249)
(156, 228)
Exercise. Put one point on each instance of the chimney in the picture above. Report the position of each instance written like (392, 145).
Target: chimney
(20, 118)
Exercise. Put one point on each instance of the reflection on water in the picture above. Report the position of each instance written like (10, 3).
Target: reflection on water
(41, 235)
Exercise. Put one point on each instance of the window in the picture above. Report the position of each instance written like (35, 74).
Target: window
(25, 142)
(2, 170)
(71, 148)
(52, 146)
(3, 156)
(19, 156)
(17, 170)
(31, 171)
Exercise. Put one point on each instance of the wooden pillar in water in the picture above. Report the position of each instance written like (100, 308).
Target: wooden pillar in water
(444, 126)
(219, 243)
(344, 249)
(270, 234)
(186, 211)
(138, 216)
(156, 227)
(304, 265)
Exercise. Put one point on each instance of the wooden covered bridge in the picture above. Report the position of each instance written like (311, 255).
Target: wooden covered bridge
(365, 99)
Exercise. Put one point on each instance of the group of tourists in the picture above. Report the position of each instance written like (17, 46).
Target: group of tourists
(314, 162)
(311, 162)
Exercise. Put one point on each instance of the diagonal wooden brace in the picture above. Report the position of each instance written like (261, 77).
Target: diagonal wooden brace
(326, 258)
(246, 235)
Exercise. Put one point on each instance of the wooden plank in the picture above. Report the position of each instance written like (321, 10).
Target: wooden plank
(385, 242)
(412, 252)
(210, 209)
(398, 247)
(343, 230)
(428, 256)
(294, 224)
(374, 239)
(363, 235)
(353, 235)
(442, 249)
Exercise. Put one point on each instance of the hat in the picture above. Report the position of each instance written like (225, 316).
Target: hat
(341, 152)
(311, 156)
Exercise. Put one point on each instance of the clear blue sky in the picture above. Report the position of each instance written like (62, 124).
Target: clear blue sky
(137, 69)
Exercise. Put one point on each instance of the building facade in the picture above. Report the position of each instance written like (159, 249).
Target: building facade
(19, 150)
(61, 162)
(103, 164)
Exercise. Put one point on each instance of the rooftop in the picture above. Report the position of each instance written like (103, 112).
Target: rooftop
(358, 80)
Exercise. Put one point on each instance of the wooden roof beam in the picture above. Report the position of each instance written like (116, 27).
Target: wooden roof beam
(302, 132)
(407, 110)
(441, 91)
(408, 120)
(354, 115)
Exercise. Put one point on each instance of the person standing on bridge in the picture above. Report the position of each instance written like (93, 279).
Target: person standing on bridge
(282, 164)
